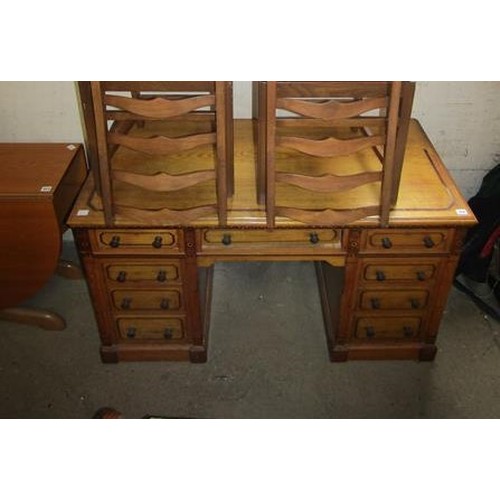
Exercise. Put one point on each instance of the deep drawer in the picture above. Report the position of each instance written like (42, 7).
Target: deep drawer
(374, 300)
(132, 242)
(387, 328)
(147, 300)
(151, 328)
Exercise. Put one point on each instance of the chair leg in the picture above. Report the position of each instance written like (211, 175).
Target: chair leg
(259, 117)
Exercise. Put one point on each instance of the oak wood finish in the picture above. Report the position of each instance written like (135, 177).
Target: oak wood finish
(39, 185)
(383, 290)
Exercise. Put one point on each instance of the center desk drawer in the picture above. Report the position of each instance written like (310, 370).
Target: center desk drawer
(136, 241)
(158, 273)
(254, 241)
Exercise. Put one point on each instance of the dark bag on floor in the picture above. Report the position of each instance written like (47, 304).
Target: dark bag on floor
(479, 242)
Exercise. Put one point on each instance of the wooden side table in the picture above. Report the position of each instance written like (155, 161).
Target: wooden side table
(39, 183)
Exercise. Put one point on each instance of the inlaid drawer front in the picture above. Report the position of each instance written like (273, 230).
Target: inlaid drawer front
(160, 274)
(399, 300)
(260, 240)
(151, 328)
(409, 240)
(136, 242)
(147, 300)
(418, 272)
(387, 328)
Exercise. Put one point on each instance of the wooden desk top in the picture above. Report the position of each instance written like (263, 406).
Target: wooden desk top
(428, 195)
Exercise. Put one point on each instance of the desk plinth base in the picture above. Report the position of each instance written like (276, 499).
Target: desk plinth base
(417, 352)
(121, 352)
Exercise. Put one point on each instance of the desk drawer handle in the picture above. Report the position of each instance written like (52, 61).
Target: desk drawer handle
(165, 304)
(168, 333)
(131, 331)
(126, 302)
(162, 276)
(408, 331)
(415, 304)
(157, 242)
(386, 243)
(370, 332)
(122, 277)
(375, 303)
(226, 239)
(314, 238)
(380, 275)
(428, 242)
(115, 242)
(421, 276)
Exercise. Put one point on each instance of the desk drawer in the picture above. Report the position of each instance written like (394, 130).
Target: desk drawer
(160, 273)
(252, 241)
(165, 329)
(406, 240)
(380, 271)
(147, 300)
(131, 242)
(387, 328)
(373, 300)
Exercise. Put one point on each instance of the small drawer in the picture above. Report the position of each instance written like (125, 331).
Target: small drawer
(407, 240)
(416, 272)
(147, 300)
(387, 328)
(382, 300)
(151, 328)
(136, 242)
(299, 241)
(157, 273)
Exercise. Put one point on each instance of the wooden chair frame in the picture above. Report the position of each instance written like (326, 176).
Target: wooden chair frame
(101, 104)
(395, 97)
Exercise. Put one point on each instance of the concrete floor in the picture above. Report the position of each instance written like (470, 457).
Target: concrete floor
(267, 359)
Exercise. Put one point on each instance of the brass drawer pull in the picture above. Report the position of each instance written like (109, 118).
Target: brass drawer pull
(226, 239)
(428, 242)
(131, 331)
(168, 333)
(165, 304)
(415, 304)
(314, 238)
(162, 276)
(370, 332)
(126, 303)
(375, 303)
(157, 242)
(122, 277)
(115, 242)
(380, 276)
(386, 243)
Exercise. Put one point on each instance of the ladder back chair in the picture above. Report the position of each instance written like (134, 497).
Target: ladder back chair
(150, 143)
(322, 142)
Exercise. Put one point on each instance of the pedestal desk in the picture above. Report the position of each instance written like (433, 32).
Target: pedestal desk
(383, 290)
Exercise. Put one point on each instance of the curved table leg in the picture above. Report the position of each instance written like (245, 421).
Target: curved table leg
(42, 318)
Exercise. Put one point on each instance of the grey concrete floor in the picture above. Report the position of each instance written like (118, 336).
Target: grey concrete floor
(267, 359)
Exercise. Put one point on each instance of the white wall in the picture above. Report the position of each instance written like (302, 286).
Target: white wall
(461, 118)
